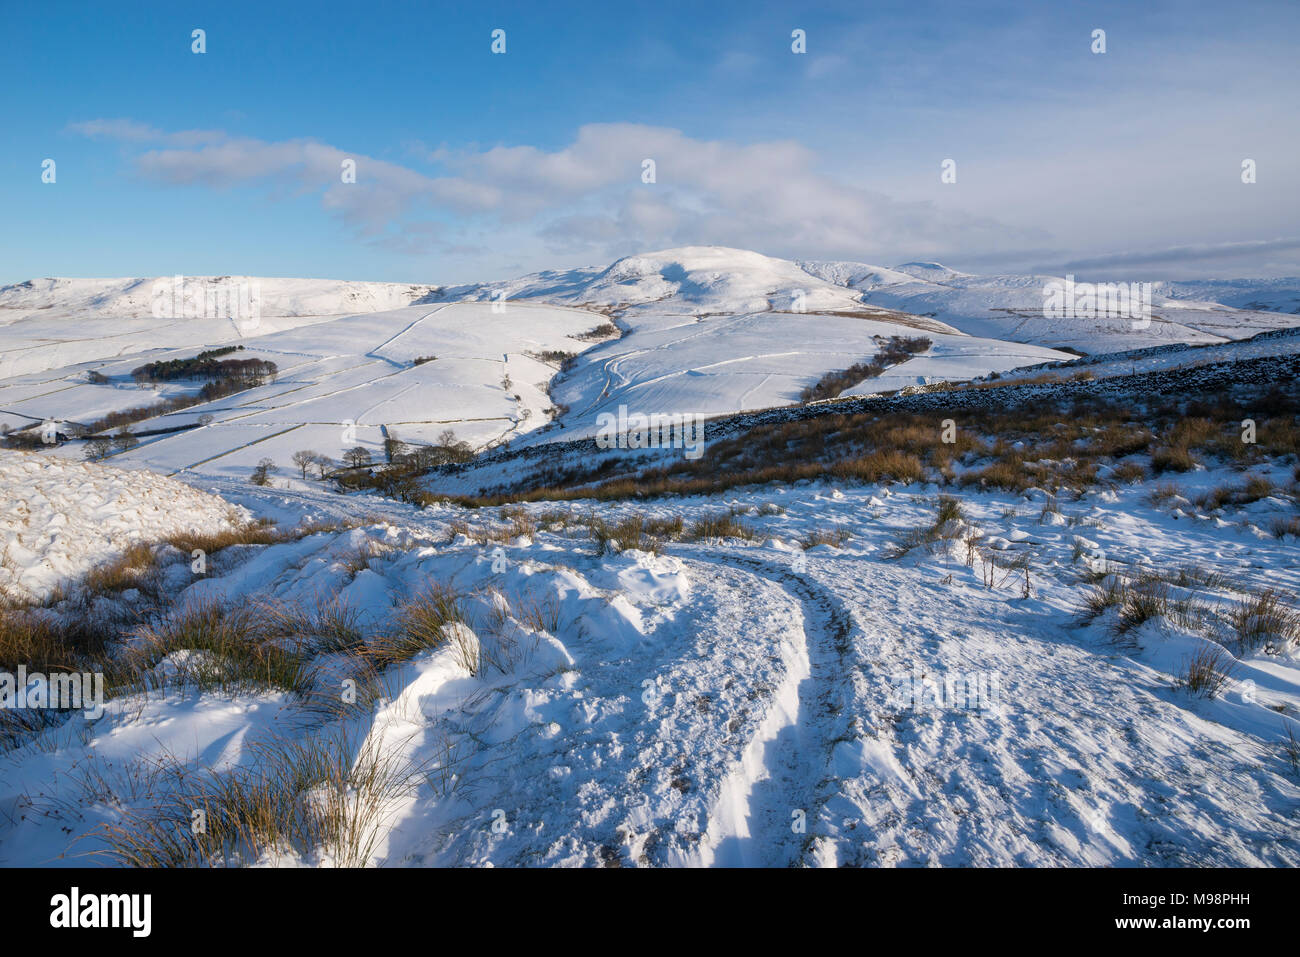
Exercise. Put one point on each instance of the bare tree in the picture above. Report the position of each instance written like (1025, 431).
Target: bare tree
(98, 448)
(262, 473)
(303, 459)
(357, 456)
(394, 448)
(124, 439)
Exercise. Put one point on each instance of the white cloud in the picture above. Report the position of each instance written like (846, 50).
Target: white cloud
(587, 197)
(134, 132)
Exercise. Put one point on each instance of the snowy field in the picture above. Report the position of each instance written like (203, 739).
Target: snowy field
(1076, 647)
(736, 701)
(59, 519)
(697, 330)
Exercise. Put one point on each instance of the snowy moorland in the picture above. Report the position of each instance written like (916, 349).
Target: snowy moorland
(935, 593)
(698, 330)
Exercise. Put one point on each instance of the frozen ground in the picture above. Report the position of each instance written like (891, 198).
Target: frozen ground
(50, 323)
(725, 701)
(60, 518)
(702, 330)
(732, 702)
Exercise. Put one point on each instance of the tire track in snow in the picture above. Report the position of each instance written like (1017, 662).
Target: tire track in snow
(778, 783)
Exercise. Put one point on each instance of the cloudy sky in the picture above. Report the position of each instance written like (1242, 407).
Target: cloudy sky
(472, 164)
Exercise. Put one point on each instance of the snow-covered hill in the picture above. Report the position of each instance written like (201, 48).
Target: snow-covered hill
(1267, 295)
(1012, 307)
(780, 667)
(60, 518)
(691, 280)
(699, 280)
(704, 330)
(342, 383)
(134, 298)
(718, 365)
(50, 323)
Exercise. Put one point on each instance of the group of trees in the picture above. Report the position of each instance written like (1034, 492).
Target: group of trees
(421, 458)
(896, 350)
(205, 365)
(100, 446)
(398, 455)
(122, 418)
(225, 376)
(307, 459)
(246, 372)
(353, 458)
(395, 476)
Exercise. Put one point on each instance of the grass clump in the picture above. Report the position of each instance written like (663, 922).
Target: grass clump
(213, 647)
(1255, 488)
(1143, 601)
(321, 801)
(1127, 473)
(133, 568)
(329, 625)
(1206, 671)
(424, 621)
(835, 537)
(252, 533)
(39, 640)
(1286, 526)
(1265, 619)
(1108, 593)
(1172, 458)
(720, 525)
(948, 511)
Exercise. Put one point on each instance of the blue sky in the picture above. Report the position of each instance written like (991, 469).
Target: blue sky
(472, 165)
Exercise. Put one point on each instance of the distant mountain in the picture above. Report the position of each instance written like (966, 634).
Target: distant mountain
(1271, 295)
(134, 298)
(688, 280)
(708, 280)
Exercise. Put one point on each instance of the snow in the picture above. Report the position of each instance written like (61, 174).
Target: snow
(725, 702)
(683, 281)
(691, 708)
(1012, 307)
(723, 364)
(60, 518)
(350, 381)
(51, 323)
(704, 330)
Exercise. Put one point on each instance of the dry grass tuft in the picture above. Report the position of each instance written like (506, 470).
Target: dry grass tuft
(319, 801)
(1265, 619)
(423, 622)
(1206, 671)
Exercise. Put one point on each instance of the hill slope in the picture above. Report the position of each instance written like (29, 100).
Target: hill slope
(705, 330)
